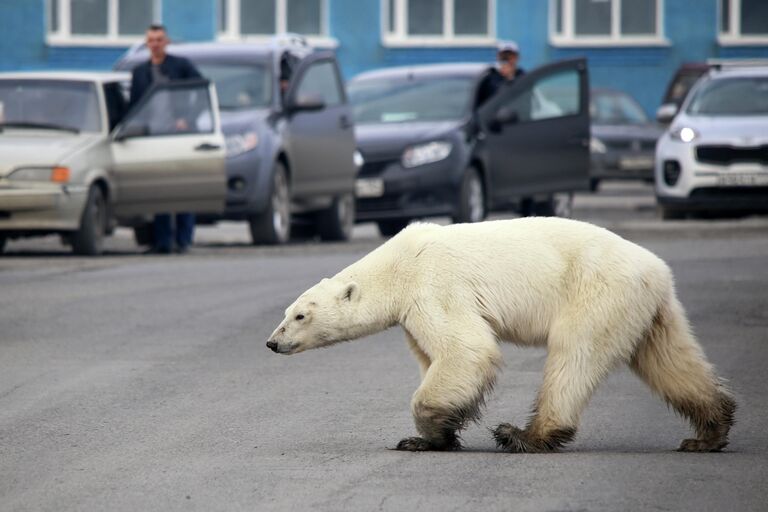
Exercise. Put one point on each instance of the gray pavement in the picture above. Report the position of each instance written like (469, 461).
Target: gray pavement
(142, 383)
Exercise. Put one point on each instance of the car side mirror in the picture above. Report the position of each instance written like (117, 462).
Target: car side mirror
(306, 103)
(505, 115)
(131, 131)
(666, 113)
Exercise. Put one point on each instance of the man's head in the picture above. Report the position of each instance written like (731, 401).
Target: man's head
(157, 40)
(507, 55)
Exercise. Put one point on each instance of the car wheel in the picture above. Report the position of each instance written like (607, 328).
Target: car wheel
(89, 239)
(556, 205)
(144, 234)
(471, 205)
(273, 226)
(336, 223)
(672, 214)
(392, 227)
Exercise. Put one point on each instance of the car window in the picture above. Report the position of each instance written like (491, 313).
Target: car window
(738, 96)
(240, 86)
(555, 95)
(443, 98)
(321, 80)
(62, 103)
(174, 110)
(117, 103)
(615, 108)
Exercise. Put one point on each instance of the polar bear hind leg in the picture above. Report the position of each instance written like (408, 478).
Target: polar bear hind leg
(672, 363)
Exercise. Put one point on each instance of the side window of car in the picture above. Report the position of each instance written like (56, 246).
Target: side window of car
(555, 95)
(174, 111)
(321, 80)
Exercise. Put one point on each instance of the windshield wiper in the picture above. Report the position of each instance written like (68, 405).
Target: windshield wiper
(43, 126)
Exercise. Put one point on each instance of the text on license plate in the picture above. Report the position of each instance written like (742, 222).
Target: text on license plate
(633, 163)
(740, 180)
(369, 187)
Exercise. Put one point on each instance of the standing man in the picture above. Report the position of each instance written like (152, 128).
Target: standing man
(505, 72)
(162, 68)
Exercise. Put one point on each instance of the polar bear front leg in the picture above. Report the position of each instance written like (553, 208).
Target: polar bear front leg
(452, 392)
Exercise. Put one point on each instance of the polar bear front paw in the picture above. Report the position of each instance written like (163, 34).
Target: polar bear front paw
(419, 444)
(699, 445)
(512, 439)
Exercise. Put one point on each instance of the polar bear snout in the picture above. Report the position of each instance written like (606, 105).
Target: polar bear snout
(272, 345)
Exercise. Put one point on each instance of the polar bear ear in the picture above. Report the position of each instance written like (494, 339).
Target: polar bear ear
(351, 292)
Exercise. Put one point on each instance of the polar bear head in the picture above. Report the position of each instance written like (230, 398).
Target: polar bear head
(323, 315)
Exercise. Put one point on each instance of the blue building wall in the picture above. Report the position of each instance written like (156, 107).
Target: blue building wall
(689, 25)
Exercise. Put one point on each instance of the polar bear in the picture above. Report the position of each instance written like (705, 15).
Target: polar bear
(592, 298)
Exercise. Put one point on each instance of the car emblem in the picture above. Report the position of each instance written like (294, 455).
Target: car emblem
(636, 146)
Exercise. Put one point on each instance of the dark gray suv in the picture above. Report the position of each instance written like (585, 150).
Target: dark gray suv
(289, 137)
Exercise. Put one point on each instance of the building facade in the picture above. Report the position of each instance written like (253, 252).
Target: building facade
(632, 45)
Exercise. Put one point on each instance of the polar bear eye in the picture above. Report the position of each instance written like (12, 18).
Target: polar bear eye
(299, 317)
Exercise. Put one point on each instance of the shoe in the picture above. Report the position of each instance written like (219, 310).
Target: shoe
(158, 250)
(182, 249)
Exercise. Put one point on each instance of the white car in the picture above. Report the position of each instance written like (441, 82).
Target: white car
(75, 161)
(713, 159)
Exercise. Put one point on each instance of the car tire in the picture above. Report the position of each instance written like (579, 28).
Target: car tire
(3, 240)
(273, 226)
(144, 235)
(556, 205)
(392, 227)
(471, 203)
(336, 223)
(88, 240)
(594, 184)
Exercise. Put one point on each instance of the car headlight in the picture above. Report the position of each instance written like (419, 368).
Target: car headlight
(239, 143)
(684, 134)
(597, 146)
(50, 174)
(358, 159)
(426, 153)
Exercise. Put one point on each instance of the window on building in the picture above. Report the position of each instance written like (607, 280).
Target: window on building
(743, 21)
(606, 22)
(100, 20)
(259, 18)
(438, 21)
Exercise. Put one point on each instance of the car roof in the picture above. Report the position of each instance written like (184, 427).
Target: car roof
(738, 71)
(470, 69)
(74, 76)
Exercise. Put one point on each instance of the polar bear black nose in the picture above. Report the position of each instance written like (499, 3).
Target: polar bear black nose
(272, 345)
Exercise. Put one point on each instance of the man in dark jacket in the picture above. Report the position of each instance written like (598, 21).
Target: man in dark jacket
(163, 68)
(507, 56)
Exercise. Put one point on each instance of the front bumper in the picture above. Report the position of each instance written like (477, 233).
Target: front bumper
(426, 191)
(40, 207)
(623, 165)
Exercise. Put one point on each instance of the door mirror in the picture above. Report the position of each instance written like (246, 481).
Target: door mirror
(131, 131)
(505, 115)
(666, 113)
(306, 103)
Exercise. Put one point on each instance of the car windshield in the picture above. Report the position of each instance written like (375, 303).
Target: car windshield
(615, 108)
(240, 86)
(410, 100)
(743, 96)
(51, 104)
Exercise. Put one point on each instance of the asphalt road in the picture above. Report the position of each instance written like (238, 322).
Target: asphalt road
(142, 383)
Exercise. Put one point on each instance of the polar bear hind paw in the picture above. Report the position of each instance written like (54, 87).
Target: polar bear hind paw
(699, 445)
(419, 444)
(515, 440)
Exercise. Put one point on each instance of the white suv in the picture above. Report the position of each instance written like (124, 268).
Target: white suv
(713, 159)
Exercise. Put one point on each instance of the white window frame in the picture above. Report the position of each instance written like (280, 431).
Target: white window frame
(568, 38)
(399, 37)
(232, 32)
(733, 36)
(64, 37)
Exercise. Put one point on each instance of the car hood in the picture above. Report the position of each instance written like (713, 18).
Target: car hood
(27, 148)
(238, 121)
(736, 130)
(627, 131)
(385, 139)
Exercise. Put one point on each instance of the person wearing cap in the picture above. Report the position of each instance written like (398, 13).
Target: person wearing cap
(505, 72)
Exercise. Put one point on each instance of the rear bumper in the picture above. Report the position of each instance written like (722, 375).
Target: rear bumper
(41, 207)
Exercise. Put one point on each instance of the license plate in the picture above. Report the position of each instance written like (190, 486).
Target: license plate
(636, 163)
(742, 180)
(369, 187)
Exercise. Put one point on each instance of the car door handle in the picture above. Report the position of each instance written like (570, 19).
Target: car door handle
(344, 123)
(207, 146)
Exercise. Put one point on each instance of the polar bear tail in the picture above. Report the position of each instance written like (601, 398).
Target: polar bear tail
(672, 363)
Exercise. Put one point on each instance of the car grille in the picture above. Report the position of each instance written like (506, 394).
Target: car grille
(371, 169)
(726, 155)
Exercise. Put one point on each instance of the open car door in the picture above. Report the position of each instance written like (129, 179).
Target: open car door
(536, 132)
(168, 153)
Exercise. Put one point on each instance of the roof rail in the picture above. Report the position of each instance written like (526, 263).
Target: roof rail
(736, 63)
(290, 39)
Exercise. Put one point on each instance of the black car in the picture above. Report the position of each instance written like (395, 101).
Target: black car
(429, 149)
(290, 154)
(623, 138)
